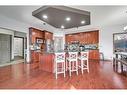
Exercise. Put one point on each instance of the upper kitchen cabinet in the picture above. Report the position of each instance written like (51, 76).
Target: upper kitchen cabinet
(48, 35)
(69, 38)
(90, 37)
(97, 37)
(34, 34)
(81, 37)
(41, 34)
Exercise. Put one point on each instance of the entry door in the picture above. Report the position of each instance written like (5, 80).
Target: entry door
(5, 51)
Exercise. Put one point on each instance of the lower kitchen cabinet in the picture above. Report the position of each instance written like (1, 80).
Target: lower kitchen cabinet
(34, 59)
(94, 55)
(46, 62)
(34, 56)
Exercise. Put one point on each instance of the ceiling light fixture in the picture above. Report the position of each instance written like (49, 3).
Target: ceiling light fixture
(44, 23)
(68, 19)
(45, 16)
(62, 26)
(83, 22)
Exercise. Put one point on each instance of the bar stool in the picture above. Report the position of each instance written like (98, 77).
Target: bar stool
(84, 56)
(72, 62)
(59, 63)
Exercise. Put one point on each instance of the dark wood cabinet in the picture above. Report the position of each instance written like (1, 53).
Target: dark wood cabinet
(90, 37)
(48, 35)
(38, 34)
(46, 62)
(94, 54)
(34, 56)
(35, 33)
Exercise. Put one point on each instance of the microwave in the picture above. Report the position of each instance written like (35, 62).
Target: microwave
(40, 40)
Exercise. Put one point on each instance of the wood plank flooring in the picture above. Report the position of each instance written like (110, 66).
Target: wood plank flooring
(22, 76)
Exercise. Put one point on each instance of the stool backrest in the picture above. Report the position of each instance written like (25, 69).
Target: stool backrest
(60, 57)
(73, 56)
(84, 55)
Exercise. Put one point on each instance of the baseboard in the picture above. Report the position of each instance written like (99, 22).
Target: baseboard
(11, 63)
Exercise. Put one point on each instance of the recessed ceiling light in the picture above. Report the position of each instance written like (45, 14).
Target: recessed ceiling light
(68, 19)
(62, 26)
(83, 22)
(45, 16)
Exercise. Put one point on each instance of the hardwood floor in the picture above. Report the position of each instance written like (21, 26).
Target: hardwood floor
(22, 76)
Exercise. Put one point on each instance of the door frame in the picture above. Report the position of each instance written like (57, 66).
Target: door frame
(22, 45)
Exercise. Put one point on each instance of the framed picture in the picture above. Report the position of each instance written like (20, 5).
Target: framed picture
(39, 40)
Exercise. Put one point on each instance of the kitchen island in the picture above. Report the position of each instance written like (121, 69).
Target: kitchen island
(46, 61)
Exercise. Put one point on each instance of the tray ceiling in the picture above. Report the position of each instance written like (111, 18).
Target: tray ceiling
(62, 17)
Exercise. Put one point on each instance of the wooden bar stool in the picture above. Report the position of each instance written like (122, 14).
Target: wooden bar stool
(72, 62)
(84, 59)
(59, 63)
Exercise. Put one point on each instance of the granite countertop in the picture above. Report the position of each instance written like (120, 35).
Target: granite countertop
(52, 52)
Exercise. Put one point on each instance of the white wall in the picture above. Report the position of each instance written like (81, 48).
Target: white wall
(12, 24)
(9, 32)
(106, 39)
(5, 31)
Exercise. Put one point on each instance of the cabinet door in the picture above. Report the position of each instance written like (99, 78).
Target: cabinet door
(71, 38)
(86, 39)
(97, 37)
(91, 38)
(94, 37)
(46, 62)
(90, 54)
(66, 39)
(33, 34)
(48, 35)
(81, 37)
(97, 55)
(94, 54)
(34, 56)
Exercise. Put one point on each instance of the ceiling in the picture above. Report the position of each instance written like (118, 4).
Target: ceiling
(106, 15)
(57, 16)
(100, 15)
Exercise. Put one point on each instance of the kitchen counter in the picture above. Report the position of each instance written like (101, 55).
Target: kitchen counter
(46, 61)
